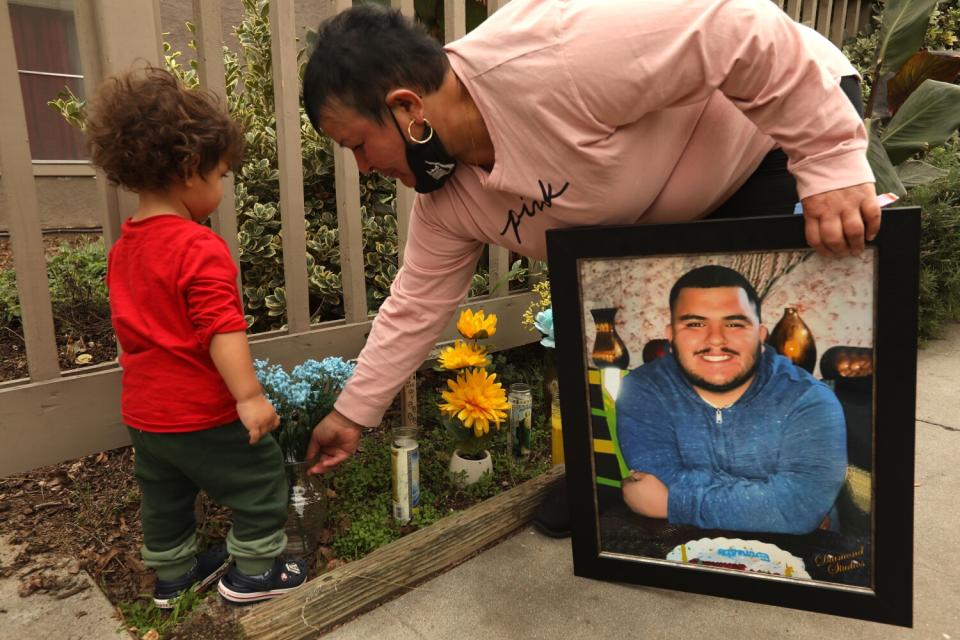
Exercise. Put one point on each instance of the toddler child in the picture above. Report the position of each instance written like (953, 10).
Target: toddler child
(190, 399)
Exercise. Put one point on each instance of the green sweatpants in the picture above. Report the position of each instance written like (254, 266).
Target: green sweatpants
(171, 468)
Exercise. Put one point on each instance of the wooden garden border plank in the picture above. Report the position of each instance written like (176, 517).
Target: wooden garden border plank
(356, 587)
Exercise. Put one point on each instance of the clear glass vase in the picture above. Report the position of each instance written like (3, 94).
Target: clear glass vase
(306, 509)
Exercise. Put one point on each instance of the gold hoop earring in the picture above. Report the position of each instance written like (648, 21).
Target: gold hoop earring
(426, 123)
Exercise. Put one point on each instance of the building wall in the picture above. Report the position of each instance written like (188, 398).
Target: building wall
(64, 202)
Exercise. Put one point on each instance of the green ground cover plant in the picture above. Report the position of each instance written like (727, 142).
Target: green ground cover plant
(360, 509)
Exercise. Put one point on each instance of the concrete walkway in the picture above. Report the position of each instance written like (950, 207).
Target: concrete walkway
(524, 588)
(78, 611)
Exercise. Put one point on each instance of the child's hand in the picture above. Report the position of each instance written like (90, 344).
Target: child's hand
(258, 416)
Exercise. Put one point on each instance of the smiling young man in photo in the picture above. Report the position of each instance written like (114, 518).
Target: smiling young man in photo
(722, 432)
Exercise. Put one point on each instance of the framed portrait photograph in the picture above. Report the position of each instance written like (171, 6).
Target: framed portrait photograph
(738, 411)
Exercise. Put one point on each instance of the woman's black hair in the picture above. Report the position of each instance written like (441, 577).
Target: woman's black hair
(365, 52)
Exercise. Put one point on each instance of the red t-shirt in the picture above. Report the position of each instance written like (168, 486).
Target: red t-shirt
(172, 288)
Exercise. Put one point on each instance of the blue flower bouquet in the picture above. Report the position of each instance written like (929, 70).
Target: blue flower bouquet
(302, 398)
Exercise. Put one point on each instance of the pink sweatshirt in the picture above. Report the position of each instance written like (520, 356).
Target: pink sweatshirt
(609, 112)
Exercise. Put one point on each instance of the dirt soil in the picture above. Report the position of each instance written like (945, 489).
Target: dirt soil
(89, 510)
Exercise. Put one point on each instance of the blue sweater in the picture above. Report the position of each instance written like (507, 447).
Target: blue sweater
(773, 461)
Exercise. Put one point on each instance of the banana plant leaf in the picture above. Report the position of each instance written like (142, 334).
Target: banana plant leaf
(927, 118)
(923, 65)
(916, 172)
(883, 170)
(901, 34)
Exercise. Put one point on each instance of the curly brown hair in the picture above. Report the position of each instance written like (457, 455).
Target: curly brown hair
(148, 132)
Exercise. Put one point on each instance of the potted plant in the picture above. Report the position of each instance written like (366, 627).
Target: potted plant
(302, 398)
(475, 404)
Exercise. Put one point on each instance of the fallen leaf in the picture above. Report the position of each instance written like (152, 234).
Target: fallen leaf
(105, 559)
(101, 457)
(74, 470)
(84, 358)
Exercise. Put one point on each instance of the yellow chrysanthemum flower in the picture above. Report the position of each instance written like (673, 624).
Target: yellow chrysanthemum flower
(462, 355)
(476, 326)
(477, 400)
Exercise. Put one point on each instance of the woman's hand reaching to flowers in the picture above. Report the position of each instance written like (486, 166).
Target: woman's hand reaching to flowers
(334, 439)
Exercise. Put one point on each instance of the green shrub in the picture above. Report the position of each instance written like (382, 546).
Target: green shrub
(941, 34)
(940, 242)
(78, 287)
(939, 200)
(249, 91)
(9, 299)
(249, 82)
(250, 99)
(78, 290)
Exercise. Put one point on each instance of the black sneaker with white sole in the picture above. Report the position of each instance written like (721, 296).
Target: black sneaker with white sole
(283, 576)
(207, 568)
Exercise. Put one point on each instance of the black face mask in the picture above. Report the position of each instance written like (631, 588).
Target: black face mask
(429, 160)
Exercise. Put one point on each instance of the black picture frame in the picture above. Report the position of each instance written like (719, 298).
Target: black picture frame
(888, 596)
